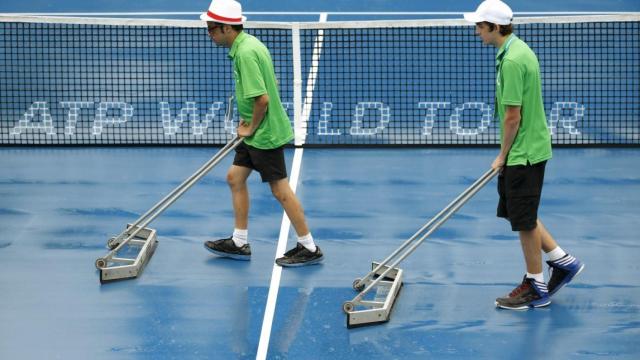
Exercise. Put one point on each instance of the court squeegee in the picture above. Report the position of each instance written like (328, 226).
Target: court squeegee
(143, 240)
(385, 276)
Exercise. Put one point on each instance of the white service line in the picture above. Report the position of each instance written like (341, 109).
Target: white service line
(274, 286)
(267, 321)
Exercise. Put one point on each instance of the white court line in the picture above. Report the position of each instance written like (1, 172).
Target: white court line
(276, 274)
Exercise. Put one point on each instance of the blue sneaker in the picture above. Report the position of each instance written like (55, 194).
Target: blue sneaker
(529, 294)
(563, 271)
(227, 248)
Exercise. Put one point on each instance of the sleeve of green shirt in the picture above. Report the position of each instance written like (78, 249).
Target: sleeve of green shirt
(251, 77)
(512, 83)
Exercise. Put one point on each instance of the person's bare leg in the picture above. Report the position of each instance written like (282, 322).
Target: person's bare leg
(283, 193)
(548, 242)
(531, 242)
(237, 180)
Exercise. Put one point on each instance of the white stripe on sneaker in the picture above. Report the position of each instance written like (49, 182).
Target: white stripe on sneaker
(541, 286)
(566, 261)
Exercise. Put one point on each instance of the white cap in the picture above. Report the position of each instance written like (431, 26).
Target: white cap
(225, 12)
(493, 11)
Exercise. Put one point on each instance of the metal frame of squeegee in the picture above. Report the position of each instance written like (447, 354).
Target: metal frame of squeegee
(390, 275)
(145, 238)
(133, 267)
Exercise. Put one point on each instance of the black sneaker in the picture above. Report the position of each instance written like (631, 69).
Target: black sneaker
(300, 256)
(563, 271)
(227, 248)
(529, 293)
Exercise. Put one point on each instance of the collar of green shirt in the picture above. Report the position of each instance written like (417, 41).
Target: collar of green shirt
(238, 40)
(505, 47)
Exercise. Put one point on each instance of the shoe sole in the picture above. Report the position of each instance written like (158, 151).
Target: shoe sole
(230, 256)
(567, 280)
(524, 307)
(310, 262)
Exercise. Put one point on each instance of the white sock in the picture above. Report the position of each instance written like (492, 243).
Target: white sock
(307, 241)
(537, 277)
(240, 237)
(556, 254)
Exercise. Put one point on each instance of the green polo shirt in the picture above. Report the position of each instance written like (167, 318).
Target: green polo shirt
(518, 83)
(254, 75)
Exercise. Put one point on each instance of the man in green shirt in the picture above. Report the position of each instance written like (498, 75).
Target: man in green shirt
(265, 127)
(525, 149)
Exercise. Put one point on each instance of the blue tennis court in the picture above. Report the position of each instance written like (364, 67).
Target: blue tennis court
(60, 205)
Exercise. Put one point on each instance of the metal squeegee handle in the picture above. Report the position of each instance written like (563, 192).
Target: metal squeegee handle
(175, 194)
(427, 225)
(170, 198)
(452, 208)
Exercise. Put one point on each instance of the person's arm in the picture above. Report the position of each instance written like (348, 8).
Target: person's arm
(512, 75)
(511, 125)
(260, 106)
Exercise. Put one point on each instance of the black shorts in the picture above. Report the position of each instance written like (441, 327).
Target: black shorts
(269, 163)
(520, 187)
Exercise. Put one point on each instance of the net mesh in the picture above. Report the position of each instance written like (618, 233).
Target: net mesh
(418, 83)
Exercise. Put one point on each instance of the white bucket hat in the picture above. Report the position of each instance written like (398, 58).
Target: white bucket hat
(225, 12)
(493, 11)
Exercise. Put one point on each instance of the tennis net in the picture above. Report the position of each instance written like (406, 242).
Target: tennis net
(72, 81)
